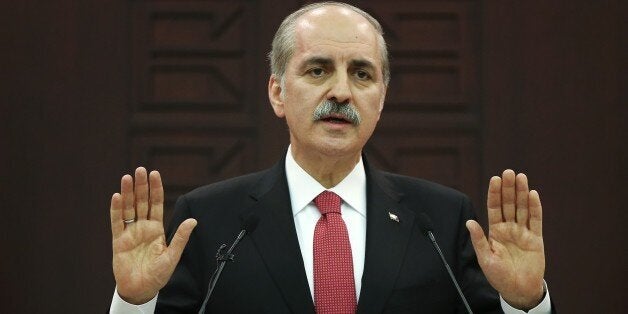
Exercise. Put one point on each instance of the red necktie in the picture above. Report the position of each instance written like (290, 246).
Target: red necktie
(334, 287)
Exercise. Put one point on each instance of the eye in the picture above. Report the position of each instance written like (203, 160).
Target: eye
(362, 75)
(316, 72)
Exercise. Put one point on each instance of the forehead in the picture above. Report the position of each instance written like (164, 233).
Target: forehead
(335, 31)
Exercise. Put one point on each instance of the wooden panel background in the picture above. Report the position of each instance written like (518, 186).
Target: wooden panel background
(193, 115)
(92, 89)
(430, 128)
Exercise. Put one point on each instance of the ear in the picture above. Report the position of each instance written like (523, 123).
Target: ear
(274, 95)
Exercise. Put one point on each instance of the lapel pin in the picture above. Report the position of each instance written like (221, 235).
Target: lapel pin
(393, 217)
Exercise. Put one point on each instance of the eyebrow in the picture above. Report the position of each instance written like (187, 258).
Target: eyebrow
(359, 63)
(318, 60)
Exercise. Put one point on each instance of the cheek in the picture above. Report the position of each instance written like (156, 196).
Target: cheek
(301, 108)
(297, 116)
(375, 106)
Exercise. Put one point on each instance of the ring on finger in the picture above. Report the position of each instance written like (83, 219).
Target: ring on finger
(129, 221)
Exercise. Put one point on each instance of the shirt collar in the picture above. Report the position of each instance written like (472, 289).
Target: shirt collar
(304, 188)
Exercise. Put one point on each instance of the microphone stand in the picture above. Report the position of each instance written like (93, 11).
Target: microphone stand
(451, 274)
(221, 260)
(425, 225)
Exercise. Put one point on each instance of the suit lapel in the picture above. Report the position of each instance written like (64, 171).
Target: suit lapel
(276, 240)
(386, 241)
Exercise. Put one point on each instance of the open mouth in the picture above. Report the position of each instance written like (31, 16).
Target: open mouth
(335, 119)
(340, 114)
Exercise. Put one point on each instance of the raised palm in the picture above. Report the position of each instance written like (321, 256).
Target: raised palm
(142, 261)
(513, 256)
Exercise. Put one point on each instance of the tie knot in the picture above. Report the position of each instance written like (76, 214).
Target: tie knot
(328, 202)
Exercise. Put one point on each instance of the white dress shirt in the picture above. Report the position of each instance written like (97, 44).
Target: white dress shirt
(303, 189)
(352, 190)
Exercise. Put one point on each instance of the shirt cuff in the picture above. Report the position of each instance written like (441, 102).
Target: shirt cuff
(119, 306)
(545, 307)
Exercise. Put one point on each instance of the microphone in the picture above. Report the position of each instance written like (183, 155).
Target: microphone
(250, 223)
(426, 226)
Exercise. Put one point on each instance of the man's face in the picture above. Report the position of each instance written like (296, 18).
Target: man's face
(336, 58)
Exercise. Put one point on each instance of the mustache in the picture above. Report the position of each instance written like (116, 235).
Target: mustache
(330, 108)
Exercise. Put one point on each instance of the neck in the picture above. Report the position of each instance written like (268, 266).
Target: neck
(327, 170)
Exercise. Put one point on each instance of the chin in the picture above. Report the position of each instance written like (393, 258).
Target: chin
(339, 148)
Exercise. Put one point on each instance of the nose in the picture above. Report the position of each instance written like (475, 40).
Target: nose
(340, 90)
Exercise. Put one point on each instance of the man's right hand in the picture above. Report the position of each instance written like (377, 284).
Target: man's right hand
(142, 261)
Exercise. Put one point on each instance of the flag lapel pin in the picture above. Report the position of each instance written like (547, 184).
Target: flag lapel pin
(393, 217)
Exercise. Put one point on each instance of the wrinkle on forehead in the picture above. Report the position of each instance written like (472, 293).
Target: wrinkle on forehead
(337, 33)
(339, 49)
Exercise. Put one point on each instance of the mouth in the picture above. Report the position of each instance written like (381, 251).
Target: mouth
(336, 119)
(337, 114)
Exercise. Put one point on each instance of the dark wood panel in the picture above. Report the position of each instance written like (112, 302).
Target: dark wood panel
(553, 93)
(429, 127)
(433, 46)
(67, 88)
(193, 116)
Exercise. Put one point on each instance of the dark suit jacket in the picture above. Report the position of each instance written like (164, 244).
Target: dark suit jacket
(402, 272)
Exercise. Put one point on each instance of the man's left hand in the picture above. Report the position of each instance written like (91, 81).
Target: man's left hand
(513, 257)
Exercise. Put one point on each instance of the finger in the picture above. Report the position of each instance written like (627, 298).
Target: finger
(115, 211)
(479, 241)
(494, 201)
(156, 197)
(536, 213)
(508, 195)
(141, 193)
(180, 239)
(128, 199)
(521, 183)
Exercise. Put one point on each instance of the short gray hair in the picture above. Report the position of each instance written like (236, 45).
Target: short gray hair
(284, 42)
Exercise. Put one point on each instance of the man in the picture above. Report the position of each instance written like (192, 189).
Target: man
(329, 80)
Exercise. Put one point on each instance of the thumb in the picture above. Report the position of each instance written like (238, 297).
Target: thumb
(180, 238)
(478, 239)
